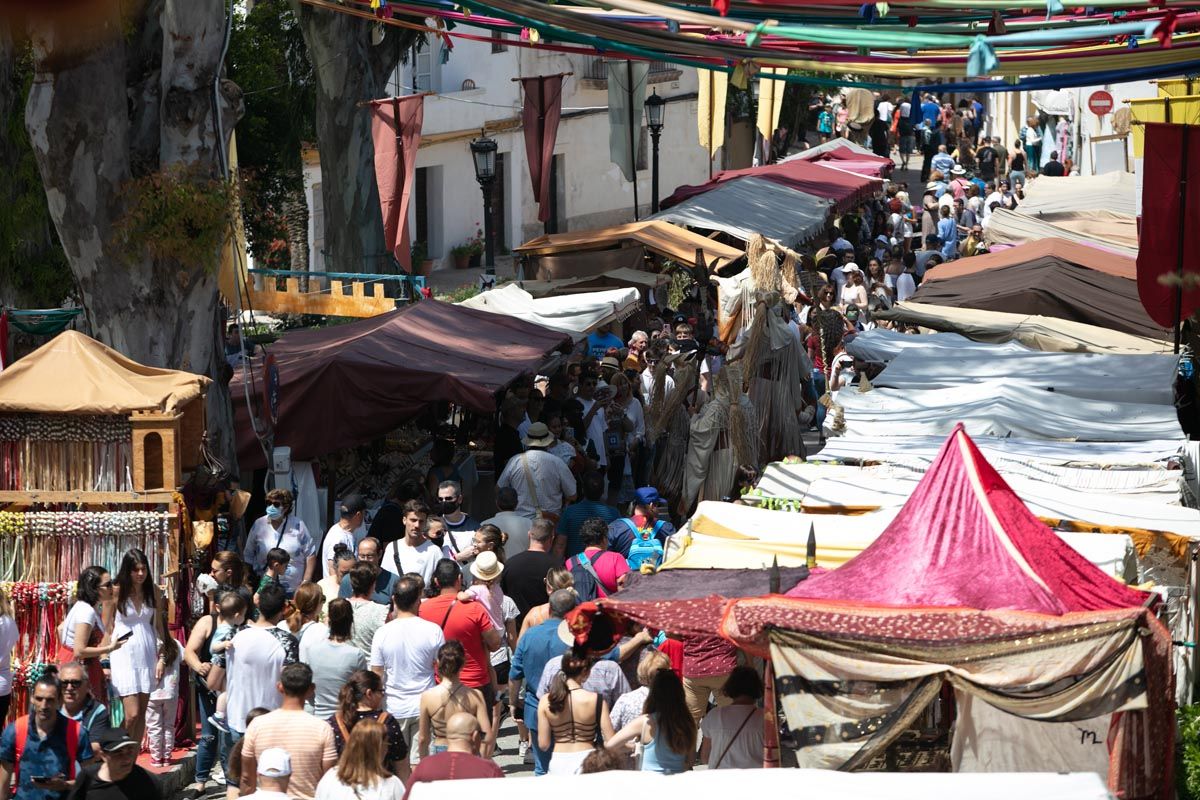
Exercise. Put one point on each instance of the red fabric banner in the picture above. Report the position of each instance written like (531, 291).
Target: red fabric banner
(543, 108)
(1170, 221)
(396, 132)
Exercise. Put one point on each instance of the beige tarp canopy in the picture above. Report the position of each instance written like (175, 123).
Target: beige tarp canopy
(1041, 333)
(663, 238)
(1114, 192)
(1110, 231)
(75, 374)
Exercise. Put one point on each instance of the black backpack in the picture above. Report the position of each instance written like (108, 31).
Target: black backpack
(587, 582)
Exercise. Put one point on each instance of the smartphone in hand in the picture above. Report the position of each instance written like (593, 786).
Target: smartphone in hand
(124, 636)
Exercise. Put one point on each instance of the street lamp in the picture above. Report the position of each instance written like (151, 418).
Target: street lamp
(655, 111)
(483, 152)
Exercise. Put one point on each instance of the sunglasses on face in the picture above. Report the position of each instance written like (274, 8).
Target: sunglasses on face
(71, 683)
(106, 585)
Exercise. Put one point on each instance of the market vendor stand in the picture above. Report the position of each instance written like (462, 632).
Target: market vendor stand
(87, 471)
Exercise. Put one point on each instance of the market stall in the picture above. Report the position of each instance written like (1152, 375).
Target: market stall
(88, 473)
(844, 158)
(1050, 277)
(747, 207)
(575, 314)
(843, 189)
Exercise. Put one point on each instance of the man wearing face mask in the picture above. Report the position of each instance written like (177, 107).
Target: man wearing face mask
(460, 526)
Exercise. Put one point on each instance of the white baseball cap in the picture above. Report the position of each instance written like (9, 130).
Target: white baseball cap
(274, 762)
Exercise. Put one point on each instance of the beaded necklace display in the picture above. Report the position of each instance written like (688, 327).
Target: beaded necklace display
(59, 452)
(57, 545)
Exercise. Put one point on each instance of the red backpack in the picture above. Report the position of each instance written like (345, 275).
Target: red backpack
(22, 731)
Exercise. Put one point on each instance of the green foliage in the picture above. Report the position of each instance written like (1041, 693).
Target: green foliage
(268, 60)
(1187, 773)
(32, 260)
(177, 214)
(465, 292)
(681, 284)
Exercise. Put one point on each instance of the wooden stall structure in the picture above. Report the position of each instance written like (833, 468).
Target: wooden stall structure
(93, 446)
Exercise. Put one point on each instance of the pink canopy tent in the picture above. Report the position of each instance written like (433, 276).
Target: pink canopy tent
(965, 539)
(846, 159)
(845, 189)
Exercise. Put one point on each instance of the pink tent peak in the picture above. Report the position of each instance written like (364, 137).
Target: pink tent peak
(964, 539)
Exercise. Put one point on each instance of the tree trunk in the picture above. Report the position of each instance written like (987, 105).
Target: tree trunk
(349, 69)
(295, 216)
(114, 100)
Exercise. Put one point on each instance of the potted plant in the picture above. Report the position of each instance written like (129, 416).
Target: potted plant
(421, 263)
(469, 253)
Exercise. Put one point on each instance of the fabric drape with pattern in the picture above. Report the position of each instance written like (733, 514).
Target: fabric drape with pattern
(396, 133)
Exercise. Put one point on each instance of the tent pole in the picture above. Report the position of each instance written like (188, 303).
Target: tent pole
(770, 718)
(632, 147)
(1183, 185)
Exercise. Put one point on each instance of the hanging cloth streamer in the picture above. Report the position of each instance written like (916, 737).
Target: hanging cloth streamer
(982, 58)
(710, 110)
(770, 100)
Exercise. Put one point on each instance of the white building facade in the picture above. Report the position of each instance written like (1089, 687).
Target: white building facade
(473, 91)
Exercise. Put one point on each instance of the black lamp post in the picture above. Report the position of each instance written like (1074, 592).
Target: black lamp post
(483, 152)
(655, 112)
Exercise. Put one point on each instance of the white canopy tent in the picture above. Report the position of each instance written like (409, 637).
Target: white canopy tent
(884, 344)
(833, 144)
(997, 408)
(1121, 378)
(1115, 192)
(745, 206)
(576, 314)
(725, 783)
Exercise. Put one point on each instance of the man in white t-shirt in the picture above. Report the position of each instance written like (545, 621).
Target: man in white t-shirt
(257, 656)
(885, 108)
(413, 553)
(403, 653)
(348, 530)
(594, 422)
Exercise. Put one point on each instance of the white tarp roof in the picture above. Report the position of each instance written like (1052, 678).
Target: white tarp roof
(833, 144)
(1121, 378)
(1115, 192)
(918, 452)
(1154, 485)
(825, 487)
(884, 344)
(732, 536)
(743, 207)
(1037, 332)
(576, 314)
(726, 783)
(1001, 409)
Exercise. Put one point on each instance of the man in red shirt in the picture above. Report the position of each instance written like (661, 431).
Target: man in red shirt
(459, 761)
(471, 625)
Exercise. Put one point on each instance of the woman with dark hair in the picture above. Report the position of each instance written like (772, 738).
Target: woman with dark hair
(733, 734)
(448, 698)
(333, 660)
(571, 719)
(665, 729)
(136, 667)
(362, 699)
(83, 636)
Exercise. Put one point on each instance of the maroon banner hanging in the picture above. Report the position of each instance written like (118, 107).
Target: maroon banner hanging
(543, 107)
(396, 131)
(1169, 236)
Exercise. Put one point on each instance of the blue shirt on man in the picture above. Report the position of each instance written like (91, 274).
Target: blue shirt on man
(573, 517)
(40, 756)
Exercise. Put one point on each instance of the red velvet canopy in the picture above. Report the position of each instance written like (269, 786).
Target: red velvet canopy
(965, 539)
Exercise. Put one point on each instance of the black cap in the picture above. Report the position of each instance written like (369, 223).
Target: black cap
(352, 504)
(114, 739)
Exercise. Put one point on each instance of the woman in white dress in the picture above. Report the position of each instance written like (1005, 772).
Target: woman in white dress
(136, 667)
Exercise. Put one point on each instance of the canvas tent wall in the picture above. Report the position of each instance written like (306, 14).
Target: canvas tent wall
(644, 282)
(372, 375)
(1051, 278)
(843, 158)
(575, 314)
(1007, 227)
(881, 345)
(749, 206)
(1000, 409)
(1114, 192)
(1033, 331)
